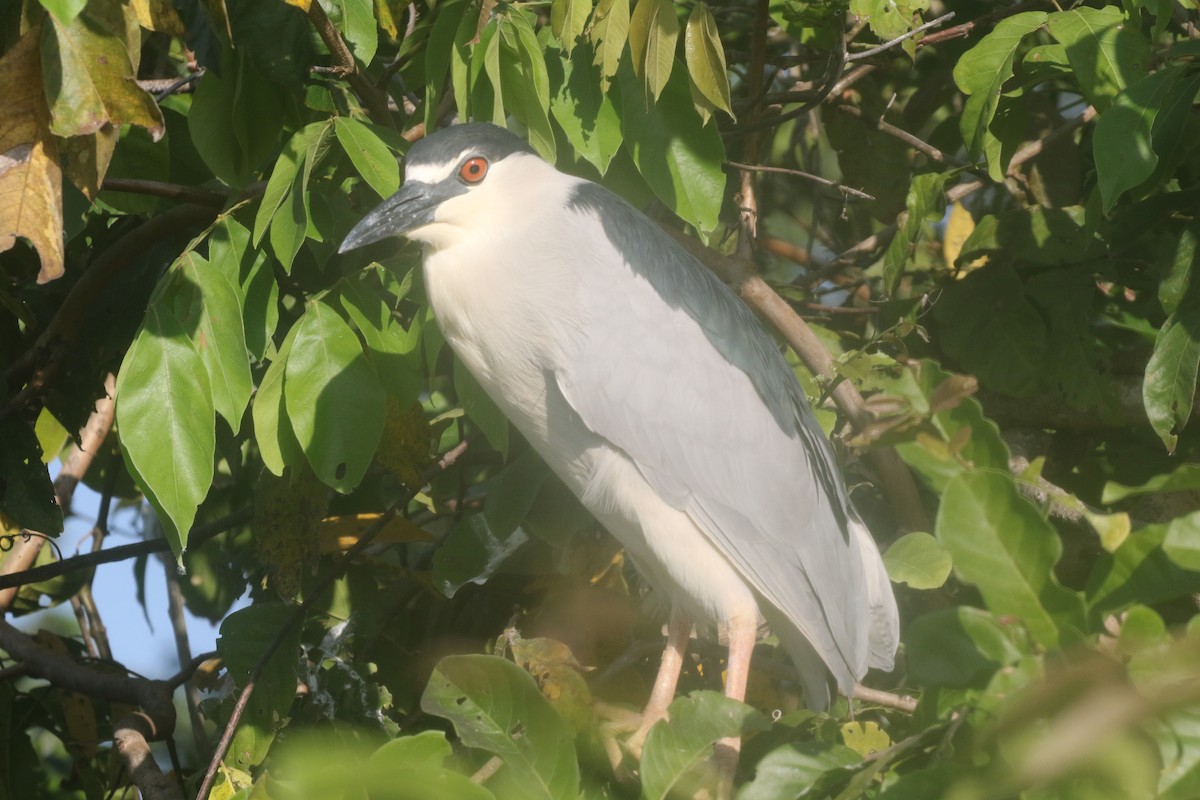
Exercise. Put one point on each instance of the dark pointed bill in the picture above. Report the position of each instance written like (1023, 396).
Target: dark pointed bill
(408, 209)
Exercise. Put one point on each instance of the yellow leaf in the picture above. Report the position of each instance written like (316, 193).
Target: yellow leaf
(30, 178)
(958, 228)
(157, 15)
(86, 158)
(865, 738)
(341, 533)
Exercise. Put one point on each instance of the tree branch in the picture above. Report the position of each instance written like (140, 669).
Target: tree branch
(375, 100)
(155, 720)
(170, 191)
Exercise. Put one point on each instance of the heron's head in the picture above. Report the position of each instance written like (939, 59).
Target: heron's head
(456, 182)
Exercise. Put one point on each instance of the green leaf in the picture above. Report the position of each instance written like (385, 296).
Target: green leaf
(65, 11)
(1001, 543)
(653, 32)
(280, 186)
(333, 396)
(356, 21)
(480, 408)
(677, 757)
(918, 560)
(26, 493)
(1178, 735)
(1036, 235)
(957, 647)
(491, 66)
(167, 421)
(511, 493)
(395, 351)
(610, 31)
(983, 70)
(678, 155)
(1123, 143)
(1169, 388)
(285, 203)
(1184, 478)
(472, 553)
(370, 156)
(214, 316)
(705, 58)
(1182, 542)
(526, 82)
(277, 443)
(586, 115)
(793, 769)
(235, 120)
(1106, 51)
(989, 326)
(889, 18)
(439, 52)
(926, 198)
(422, 749)
(89, 78)
(1075, 363)
(1140, 571)
(568, 18)
(245, 636)
(496, 706)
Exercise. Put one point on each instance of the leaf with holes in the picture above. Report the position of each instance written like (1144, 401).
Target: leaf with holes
(496, 706)
(334, 400)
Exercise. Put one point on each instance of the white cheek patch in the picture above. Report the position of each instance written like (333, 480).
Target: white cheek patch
(433, 173)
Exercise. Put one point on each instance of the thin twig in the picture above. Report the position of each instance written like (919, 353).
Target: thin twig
(846, 190)
(301, 611)
(198, 535)
(921, 146)
(893, 42)
(183, 651)
(886, 699)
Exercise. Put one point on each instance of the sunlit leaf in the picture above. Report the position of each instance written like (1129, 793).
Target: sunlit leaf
(918, 560)
(496, 706)
(167, 421)
(1001, 544)
(653, 32)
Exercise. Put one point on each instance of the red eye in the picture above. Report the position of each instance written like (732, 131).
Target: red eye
(474, 169)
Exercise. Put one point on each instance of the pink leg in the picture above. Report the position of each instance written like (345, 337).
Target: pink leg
(742, 633)
(679, 631)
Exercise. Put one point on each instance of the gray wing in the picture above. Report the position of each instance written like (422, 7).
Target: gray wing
(673, 369)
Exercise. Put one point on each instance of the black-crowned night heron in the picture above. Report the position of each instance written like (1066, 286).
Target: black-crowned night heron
(653, 392)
